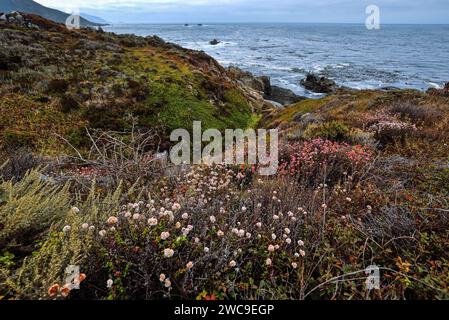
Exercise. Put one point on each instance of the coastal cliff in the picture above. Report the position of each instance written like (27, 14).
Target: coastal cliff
(56, 81)
(363, 179)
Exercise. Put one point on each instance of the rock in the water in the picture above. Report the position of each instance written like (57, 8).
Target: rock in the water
(389, 88)
(283, 96)
(214, 42)
(318, 84)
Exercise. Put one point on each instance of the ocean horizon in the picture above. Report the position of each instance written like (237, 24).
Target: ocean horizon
(398, 55)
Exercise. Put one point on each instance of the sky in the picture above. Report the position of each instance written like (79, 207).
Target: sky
(210, 11)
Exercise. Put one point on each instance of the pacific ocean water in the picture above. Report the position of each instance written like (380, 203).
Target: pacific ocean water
(404, 56)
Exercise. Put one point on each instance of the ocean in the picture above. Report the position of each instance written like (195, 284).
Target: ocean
(403, 56)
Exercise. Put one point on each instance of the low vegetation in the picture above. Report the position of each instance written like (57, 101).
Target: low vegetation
(363, 180)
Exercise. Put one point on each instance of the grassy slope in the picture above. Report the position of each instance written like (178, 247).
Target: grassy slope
(71, 80)
(425, 153)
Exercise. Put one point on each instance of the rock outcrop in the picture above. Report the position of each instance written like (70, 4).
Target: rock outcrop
(318, 84)
(274, 94)
(283, 96)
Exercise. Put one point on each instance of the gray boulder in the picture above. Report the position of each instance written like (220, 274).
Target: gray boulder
(283, 96)
(318, 84)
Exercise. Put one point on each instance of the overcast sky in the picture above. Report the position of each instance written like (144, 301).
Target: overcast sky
(180, 11)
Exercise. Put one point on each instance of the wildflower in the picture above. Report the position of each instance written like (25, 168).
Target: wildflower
(232, 264)
(324, 206)
(300, 243)
(244, 209)
(168, 253)
(288, 241)
(92, 228)
(176, 207)
(276, 247)
(136, 216)
(102, 233)
(235, 231)
(75, 210)
(165, 235)
(112, 220)
(206, 250)
(178, 225)
(197, 240)
(294, 265)
(65, 290)
(113, 229)
(220, 233)
(109, 283)
(302, 253)
(162, 277)
(297, 255)
(271, 248)
(189, 265)
(66, 229)
(85, 226)
(269, 262)
(82, 277)
(369, 207)
(152, 222)
(212, 219)
(185, 216)
(259, 225)
(273, 236)
(287, 231)
(53, 290)
(241, 233)
(290, 214)
(128, 214)
(167, 283)
(348, 199)
(259, 205)
(248, 235)
(275, 217)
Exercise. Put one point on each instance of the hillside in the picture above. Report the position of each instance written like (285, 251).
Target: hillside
(68, 80)
(362, 183)
(29, 6)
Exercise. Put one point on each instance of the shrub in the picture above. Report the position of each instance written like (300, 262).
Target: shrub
(323, 161)
(28, 208)
(416, 113)
(17, 162)
(17, 139)
(39, 205)
(388, 129)
(57, 86)
(390, 223)
(68, 103)
(333, 131)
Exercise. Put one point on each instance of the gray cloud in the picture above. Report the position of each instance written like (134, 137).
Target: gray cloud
(351, 11)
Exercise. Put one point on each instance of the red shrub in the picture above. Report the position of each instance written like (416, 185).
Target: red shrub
(318, 160)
